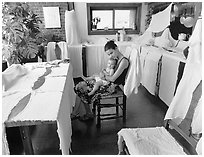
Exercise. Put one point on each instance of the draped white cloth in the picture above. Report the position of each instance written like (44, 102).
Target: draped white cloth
(199, 147)
(75, 55)
(64, 49)
(196, 124)
(51, 51)
(71, 28)
(133, 79)
(168, 79)
(149, 141)
(150, 69)
(158, 23)
(160, 20)
(12, 74)
(192, 76)
(56, 100)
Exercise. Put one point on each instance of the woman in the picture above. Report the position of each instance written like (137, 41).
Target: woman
(82, 108)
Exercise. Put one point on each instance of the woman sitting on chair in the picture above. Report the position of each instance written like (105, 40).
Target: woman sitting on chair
(82, 108)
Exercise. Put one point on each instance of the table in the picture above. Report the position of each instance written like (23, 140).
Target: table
(160, 70)
(51, 103)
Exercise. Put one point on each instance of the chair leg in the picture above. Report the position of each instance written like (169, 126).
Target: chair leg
(98, 124)
(94, 108)
(124, 108)
(117, 102)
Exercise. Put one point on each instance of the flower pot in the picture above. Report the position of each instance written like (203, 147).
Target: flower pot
(94, 27)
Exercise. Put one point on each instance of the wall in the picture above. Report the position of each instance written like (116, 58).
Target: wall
(81, 13)
(37, 8)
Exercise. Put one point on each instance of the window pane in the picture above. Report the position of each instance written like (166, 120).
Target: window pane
(125, 18)
(106, 18)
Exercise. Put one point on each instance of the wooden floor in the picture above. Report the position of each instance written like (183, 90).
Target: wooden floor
(143, 110)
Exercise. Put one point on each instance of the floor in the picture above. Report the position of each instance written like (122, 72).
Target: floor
(143, 110)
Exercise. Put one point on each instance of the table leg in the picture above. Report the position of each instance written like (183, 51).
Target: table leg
(26, 139)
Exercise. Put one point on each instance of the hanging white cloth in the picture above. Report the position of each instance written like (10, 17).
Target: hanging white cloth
(71, 31)
(134, 73)
(75, 55)
(160, 20)
(192, 76)
(196, 124)
(199, 147)
(51, 51)
(150, 70)
(64, 49)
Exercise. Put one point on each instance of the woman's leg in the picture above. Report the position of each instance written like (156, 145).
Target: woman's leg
(79, 108)
(88, 78)
(82, 110)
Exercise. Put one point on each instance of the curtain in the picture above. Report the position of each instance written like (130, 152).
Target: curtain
(71, 28)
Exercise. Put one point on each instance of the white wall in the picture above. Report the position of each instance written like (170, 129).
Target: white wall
(81, 14)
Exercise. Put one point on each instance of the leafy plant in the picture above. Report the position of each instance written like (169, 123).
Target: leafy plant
(20, 32)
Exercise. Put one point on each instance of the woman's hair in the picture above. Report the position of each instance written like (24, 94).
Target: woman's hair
(110, 45)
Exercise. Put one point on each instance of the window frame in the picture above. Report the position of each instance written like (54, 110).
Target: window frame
(113, 6)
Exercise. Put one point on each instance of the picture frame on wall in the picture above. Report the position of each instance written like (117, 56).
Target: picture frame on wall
(52, 17)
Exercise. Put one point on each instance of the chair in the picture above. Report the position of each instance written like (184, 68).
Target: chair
(98, 105)
(117, 95)
(156, 141)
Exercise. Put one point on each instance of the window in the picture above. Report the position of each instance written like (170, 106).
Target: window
(108, 18)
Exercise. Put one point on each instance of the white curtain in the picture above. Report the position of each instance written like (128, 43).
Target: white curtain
(192, 76)
(160, 20)
(71, 28)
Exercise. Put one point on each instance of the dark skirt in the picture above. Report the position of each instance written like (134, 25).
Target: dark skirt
(83, 88)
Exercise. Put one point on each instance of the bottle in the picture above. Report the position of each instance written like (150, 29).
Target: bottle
(124, 34)
(116, 37)
(121, 36)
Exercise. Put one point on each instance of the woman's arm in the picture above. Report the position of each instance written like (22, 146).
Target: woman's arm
(111, 72)
(123, 65)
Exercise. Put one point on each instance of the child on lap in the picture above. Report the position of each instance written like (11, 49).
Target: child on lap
(100, 79)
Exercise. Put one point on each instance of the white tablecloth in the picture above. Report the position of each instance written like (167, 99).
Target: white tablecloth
(55, 98)
(150, 57)
(150, 68)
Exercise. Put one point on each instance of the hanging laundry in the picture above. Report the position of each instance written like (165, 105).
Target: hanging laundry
(71, 31)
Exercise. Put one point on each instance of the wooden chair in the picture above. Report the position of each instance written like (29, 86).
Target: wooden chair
(99, 105)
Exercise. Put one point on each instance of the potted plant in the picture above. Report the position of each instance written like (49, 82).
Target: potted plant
(95, 21)
(20, 33)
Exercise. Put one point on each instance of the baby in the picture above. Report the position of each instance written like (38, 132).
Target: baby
(99, 79)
